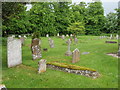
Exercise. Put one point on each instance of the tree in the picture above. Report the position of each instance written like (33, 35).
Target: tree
(111, 25)
(76, 28)
(42, 18)
(10, 10)
(95, 18)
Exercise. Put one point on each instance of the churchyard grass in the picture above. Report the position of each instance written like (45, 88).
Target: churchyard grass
(26, 76)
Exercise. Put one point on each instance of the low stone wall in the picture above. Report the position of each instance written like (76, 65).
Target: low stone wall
(87, 73)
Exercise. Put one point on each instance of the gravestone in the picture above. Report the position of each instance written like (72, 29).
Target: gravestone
(85, 53)
(71, 35)
(76, 56)
(111, 36)
(41, 66)
(110, 42)
(51, 43)
(117, 36)
(19, 36)
(68, 53)
(25, 36)
(75, 40)
(63, 37)
(36, 49)
(47, 35)
(67, 35)
(13, 36)
(58, 35)
(119, 50)
(14, 52)
(22, 40)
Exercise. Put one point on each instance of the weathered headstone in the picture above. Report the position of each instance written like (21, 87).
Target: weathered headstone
(85, 53)
(117, 36)
(111, 36)
(67, 35)
(14, 52)
(119, 50)
(13, 36)
(47, 35)
(63, 37)
(71, 35)
(25, 36)
(22, 40)
(76, 56)
(36, 49)
(110, 42)
(51, 43)
(68, 53)
(58, 35)
(19, 36)
(75, 40)
(41, 66)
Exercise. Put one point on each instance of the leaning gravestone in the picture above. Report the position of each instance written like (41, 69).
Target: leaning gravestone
(76, 56)
(14, 52)
(51, 43)
(68, 53)
(42, 66)
(36, 50)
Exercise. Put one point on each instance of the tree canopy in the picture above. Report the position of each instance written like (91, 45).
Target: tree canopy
(58, 17)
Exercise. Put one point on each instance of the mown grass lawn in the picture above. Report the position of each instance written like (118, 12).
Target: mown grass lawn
(25, 75)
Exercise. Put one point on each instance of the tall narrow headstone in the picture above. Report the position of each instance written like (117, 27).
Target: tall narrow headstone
(41, 66)
(76, 56)
(14, 52)
(36, 49)
(111, 36)
(51, 43)
(68, 53)
(117, 36)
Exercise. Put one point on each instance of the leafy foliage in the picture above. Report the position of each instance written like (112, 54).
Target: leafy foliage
(58, 17)
(76, 28)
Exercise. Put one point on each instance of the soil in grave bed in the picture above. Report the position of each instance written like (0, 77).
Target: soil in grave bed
(73, 69)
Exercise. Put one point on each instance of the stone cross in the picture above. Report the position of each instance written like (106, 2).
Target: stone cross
(36, 49)
(76, 56)
(76, 40)
(47, 35)
(41, 66)
(14, 52)
(68, 53)
(51, 43)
